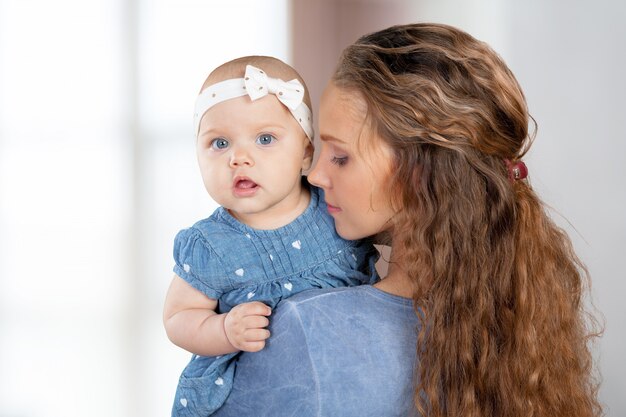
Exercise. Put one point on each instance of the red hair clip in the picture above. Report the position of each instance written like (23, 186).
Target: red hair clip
(517, 170)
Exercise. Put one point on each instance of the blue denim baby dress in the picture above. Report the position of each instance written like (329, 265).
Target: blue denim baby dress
(234, 263)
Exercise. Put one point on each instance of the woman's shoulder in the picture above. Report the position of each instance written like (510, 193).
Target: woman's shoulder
(327, 346)
(346, 296)
(318, 311)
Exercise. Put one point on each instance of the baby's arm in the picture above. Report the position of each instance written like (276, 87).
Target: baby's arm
(192, 323)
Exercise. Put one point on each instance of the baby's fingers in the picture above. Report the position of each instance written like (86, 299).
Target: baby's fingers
(255, 308)
(253, 346)
(254, 340)
(257, 335)
(245, 324)
(255, 322)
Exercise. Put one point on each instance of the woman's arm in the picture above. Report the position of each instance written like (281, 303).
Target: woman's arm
(192, 323)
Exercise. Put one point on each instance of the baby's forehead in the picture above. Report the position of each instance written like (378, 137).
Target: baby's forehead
(225, 72)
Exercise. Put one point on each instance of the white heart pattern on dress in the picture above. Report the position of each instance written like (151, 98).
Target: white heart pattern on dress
(239, 272)
(219, 381)
(288, 285)
(183, 401)
(297, 244)
(250, 295)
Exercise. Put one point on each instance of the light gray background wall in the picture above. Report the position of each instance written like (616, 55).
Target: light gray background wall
(570, 58)
(81, 289)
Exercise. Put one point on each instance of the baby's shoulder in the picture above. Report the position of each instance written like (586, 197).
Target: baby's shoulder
(215, 228)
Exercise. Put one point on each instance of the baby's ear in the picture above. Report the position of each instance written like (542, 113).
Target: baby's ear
(308, 156)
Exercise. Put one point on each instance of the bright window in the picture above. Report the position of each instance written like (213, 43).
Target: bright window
(97, 173)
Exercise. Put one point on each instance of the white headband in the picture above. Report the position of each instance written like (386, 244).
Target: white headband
(257, 84)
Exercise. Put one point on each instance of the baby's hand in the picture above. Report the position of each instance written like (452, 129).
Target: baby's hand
(245, 326)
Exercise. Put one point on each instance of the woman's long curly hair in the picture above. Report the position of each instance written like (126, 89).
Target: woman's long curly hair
(498, 286)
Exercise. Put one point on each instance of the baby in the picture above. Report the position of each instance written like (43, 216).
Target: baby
(271, 238)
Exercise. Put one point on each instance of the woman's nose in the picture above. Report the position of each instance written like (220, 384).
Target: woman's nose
(317, 175)
(241, 157)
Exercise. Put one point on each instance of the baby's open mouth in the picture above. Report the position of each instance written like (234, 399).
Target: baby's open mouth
(245, 184)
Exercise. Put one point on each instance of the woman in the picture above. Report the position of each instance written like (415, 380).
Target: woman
(423, 130)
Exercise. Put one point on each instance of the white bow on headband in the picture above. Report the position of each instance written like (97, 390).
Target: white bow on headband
(257, 84)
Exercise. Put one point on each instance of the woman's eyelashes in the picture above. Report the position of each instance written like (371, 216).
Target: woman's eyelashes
(339, 160)
(337, 155)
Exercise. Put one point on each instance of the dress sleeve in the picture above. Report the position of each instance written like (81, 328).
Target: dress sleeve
(198, 265)
(278, 380)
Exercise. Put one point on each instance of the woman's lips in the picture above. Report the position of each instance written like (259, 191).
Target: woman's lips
(332, 209)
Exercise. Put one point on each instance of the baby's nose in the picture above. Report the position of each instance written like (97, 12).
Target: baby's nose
(240, 157)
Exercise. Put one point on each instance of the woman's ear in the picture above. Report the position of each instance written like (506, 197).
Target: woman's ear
(307, 161)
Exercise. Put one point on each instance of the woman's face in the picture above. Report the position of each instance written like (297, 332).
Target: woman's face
(353, 166)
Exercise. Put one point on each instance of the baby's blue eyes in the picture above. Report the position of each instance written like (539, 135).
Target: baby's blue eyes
(219, 144)
(265, 139)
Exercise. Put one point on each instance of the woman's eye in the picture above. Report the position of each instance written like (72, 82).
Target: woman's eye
(219, 144)
(265, 139)
(341, 161)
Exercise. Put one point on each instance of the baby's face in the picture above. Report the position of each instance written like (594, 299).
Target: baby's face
(251, 155)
